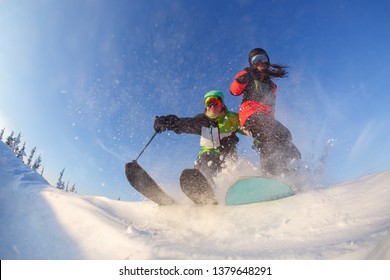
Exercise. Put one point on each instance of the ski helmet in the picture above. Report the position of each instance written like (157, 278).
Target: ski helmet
(257, 51)
(208, 99)
(214, 93)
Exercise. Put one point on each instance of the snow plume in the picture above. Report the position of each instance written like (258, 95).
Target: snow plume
(346, 221)
(312, 169)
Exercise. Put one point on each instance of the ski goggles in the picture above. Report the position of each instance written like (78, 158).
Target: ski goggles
(213, 101)
(259, 59)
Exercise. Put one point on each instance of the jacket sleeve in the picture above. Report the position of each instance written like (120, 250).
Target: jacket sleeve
(241, 80)
(190, 125)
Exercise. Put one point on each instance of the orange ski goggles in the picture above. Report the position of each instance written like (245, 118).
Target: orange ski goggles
(213, 101)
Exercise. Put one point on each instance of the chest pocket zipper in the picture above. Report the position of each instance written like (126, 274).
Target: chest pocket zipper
(210, 137)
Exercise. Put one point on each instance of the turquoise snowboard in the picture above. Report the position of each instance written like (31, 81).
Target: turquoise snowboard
(256, 189)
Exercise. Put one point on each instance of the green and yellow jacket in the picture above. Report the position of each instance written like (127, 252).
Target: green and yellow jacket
(217, 135)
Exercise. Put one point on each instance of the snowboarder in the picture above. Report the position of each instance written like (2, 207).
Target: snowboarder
(257, 113)
(217, 127)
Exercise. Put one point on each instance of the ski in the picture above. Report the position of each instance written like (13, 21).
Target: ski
(141, 181)
(196, 187)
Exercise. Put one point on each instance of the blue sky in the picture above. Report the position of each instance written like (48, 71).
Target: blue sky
(83, 81)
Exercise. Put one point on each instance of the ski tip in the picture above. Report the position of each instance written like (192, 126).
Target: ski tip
(130, 166)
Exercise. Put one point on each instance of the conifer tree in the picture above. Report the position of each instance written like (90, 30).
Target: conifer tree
(60, 183)
(16, 151)
(20, 153)
(2, 133)
(15, 144)
(73, 188)
(29, 160)
(37, 163)
(10, 140)
(67, 187)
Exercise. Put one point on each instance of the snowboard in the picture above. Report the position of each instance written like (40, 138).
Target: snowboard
(196, 187)
(256, 189)
(144, 184)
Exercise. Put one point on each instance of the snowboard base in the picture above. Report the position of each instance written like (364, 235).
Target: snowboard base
(144, 184)
(196, 187)
(256, 189)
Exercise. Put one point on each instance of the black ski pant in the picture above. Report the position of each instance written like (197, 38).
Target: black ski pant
(274, 142)
(211, 163)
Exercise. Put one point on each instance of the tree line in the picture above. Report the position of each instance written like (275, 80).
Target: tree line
(13, 142)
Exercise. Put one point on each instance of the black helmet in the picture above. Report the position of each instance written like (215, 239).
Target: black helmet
(257, 51)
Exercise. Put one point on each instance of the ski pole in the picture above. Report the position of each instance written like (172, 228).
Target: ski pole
(147, 144)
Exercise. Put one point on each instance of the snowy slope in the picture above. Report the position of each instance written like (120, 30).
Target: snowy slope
(347, 221)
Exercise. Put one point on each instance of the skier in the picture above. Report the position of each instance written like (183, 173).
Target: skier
(217, 127)
(257, 113)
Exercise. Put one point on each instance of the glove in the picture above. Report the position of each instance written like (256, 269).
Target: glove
(229, 147)
(165, 123)
(229, 142)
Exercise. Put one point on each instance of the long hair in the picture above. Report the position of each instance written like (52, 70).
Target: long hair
(275, 71)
